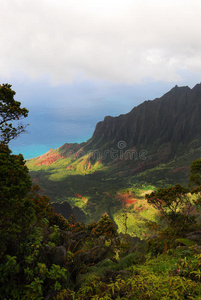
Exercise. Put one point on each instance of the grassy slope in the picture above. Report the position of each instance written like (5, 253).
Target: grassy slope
(95, 189)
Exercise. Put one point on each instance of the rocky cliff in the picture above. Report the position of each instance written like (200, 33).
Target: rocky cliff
(153, 132)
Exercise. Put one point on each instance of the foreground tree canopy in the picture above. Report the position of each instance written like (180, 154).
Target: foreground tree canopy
(10, 111)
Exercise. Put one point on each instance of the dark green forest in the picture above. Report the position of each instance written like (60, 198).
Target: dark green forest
(45, 256)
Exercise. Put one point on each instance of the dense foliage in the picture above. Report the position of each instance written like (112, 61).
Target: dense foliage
(10, 111)
(44, 256)
(174, 204)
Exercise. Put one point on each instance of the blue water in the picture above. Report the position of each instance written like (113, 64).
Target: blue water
(34, 150)
(31, 149)
(70, 114)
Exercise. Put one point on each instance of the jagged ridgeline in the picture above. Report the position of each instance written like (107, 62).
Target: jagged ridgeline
(151, 146)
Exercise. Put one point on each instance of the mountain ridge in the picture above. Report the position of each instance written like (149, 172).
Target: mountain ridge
(150, 147)
(165, 128)
(160, 127)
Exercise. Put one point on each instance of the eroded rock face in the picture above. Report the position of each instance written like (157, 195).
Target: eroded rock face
(48, 158)
(160, 126)
(152, 133)
(53, 155)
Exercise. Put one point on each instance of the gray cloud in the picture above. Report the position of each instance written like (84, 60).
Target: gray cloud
(119, 41)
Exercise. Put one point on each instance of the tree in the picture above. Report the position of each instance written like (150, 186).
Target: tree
(195, 176)
(173, 203)
(16, 212)
(195, 181)
(10, 111)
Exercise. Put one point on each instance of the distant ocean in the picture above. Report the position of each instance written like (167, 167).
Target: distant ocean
(34, 150)
(31, 150)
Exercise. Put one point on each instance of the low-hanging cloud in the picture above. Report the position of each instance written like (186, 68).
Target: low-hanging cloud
(120, 41)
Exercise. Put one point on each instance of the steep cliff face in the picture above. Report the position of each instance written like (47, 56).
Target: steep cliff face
(172, 121)
(154, 132)
(154, 143)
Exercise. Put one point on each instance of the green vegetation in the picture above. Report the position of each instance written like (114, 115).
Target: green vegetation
(44, 256)
(90, 190)
(70, 176)
(174, 204)
(10, 111)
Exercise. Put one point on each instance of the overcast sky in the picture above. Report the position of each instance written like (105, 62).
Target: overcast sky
(72, 62)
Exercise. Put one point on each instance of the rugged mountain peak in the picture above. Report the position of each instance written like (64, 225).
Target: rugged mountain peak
(197, 87)
(165, 128)
(176, 91)
(171, 123)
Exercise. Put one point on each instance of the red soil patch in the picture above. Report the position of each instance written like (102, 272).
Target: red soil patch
(70, 167)
(77, 195)
(83, 198)
(181, 169)
(48, 158)
(130, 201)
(127, 199)
(89, 165)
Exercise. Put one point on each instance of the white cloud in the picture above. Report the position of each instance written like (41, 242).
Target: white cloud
(116, 40)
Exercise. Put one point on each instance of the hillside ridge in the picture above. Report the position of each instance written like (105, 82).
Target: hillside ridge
(151, 146)
(154, 132)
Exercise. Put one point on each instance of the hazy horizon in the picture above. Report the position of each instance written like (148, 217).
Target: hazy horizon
(71, 63)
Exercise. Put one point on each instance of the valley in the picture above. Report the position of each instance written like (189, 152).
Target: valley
(151, 147)
(122, 217)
